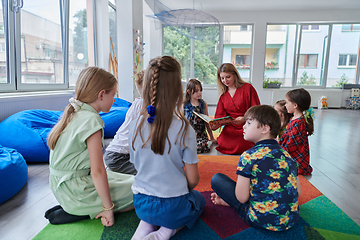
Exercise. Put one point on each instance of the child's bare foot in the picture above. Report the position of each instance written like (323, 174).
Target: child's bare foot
(218, 200)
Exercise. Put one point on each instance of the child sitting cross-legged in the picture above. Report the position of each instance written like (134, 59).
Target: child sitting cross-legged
(266, 192)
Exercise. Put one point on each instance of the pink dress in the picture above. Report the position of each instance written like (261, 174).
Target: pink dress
(231, 139)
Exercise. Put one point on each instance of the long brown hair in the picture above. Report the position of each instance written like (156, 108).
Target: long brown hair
(303, 99)
(162, 90)
(90, 83)
(284, 112)
(229, 68)
(191, 87)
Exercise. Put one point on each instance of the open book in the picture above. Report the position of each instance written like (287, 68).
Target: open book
(222, 121)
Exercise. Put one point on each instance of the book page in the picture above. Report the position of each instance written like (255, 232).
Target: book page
(222, 121)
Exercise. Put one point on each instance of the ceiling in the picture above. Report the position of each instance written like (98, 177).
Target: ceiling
(261, 5)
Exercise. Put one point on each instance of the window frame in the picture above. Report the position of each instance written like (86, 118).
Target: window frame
(12, 32)
(250, 28)
(347, 65)
(324, 60)
(306, 57)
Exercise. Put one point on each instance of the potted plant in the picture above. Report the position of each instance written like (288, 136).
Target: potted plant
(271, 83)
(274, 84)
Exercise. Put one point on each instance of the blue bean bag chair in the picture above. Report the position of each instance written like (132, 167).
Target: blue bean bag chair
(13, 173)
(27, 131)
(115, 117)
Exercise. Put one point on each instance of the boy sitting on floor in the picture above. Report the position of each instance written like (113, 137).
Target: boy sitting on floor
(267, 188)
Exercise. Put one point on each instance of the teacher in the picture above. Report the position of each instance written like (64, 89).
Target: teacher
(236, 98)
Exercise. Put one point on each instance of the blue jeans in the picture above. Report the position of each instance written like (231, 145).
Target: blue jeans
(224, 187)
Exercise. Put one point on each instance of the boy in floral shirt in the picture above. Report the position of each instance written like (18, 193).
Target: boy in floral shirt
(267, 188)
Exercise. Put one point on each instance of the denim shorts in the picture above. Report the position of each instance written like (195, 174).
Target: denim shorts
(172, 213)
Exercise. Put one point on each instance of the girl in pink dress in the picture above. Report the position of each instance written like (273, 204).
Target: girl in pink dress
(236, 98)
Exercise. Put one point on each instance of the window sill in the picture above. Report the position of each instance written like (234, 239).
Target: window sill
(32, 94)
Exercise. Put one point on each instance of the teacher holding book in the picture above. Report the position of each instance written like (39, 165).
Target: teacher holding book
(236, 98)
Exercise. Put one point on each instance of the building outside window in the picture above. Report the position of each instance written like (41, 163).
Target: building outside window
(350, 27)
(37, 45)
(308, 60)
(310, 27)
(346, 60)
(237, 44)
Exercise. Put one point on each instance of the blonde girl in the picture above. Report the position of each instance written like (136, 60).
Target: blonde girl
(164, 154)
(78, 178)
(295, 139)
(116, 156)
(237, 96)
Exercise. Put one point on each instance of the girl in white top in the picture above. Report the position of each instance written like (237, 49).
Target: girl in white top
(163, 150)
(116, 156)
(78, 178)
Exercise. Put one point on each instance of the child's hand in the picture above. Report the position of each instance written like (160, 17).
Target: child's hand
(107, 218)
(214, 141)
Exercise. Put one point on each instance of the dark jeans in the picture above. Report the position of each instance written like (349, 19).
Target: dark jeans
(119, 162)
(224, 187)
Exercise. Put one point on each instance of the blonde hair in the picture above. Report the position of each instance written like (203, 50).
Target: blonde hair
(90, 83)
(162, 89)
(229, 68)
(139, 78)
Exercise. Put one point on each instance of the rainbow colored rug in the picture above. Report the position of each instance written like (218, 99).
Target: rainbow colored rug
(320, 218)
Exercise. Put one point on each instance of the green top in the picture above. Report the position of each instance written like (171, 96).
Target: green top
(70, 178)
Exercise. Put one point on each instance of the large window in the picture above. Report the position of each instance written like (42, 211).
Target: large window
(3, 53)
(81, 33)
(198, 58)
(279, 56)
(112, 28)
(312, 49)
(178, 46)
(42, 46)
(321, 55)
(237, 42)
(343, 55)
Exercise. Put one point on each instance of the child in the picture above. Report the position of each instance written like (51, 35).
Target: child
(163, 150)
(295, 139)
(117, 156)
(284, 116)
(78, 178)
(194, 102)
(267, 189)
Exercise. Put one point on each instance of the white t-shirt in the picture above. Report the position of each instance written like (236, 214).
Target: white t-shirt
(162, 175)
(120, 142)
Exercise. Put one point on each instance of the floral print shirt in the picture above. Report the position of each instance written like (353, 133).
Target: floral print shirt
(273, 202)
